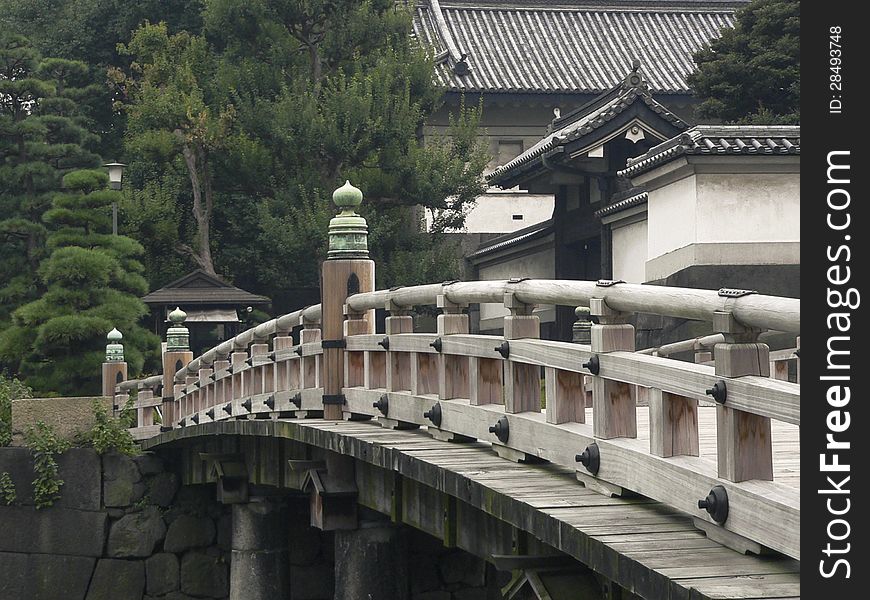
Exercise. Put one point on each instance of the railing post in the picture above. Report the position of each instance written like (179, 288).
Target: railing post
(613, 405)
(398, 363)
(453, 371)
(258, 379)
(114, 368)
(176, 356)
(220, 385)
(744, 445)
(346, 271)
(237, 363)
(522, 382)
(282, 341)
(310, 369)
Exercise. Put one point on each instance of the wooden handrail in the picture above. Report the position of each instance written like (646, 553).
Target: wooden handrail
(753, 310)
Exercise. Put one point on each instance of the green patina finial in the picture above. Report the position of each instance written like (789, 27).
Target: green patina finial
(114, 349)
(177, 336)
(347, 197)
(348, 232)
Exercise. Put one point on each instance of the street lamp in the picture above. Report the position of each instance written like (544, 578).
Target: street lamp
(116, 172)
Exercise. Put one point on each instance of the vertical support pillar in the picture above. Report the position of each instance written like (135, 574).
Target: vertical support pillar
(309, 377)
(204, 395)
(522, 382)
(613, 405)
(176, 356)
(220, 385)
(144, 414)
(743, 440)
(115, 368)
(257, 351)
(237, 360)
(398, 363)
(346, 271)
(260, 566)
(282, 341)
(453, 371)
(673, 424)
(371, 562)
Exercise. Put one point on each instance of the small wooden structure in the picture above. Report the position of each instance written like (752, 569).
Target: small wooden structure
(212, 306)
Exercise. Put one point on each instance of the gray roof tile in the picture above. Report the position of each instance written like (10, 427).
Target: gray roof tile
(566, 47)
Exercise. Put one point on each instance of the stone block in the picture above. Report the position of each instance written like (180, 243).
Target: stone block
(44, 576)
(225, 531)
(314, 582)
(470, 594)
(114, 579)
(161, 574)
(52, 531)
(79, 468)
(433, 595)
(452, 567)
(122, 483)
(149, 463)
(203, 575)
(67, 416)
(188, 532)
(161, 488)
(304, 544)
(137, 534)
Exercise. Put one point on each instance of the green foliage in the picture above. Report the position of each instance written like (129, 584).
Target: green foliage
(7, 489)
(43, 134)
(272, 107)
(10, 389)
(751, 74)
(109, 434)
(92, 281)
(45, 447)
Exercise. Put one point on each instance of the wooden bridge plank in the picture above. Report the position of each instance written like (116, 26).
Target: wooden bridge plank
(744, 587)
(679, 481)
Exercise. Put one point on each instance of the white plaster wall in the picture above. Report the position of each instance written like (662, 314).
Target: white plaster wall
(539, 265)
(671, 217)
(748, 208)
(629, 252)
(493, 212)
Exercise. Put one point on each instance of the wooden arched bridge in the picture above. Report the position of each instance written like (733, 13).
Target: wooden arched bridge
(671, 479)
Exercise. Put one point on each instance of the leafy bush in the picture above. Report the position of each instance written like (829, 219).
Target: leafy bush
(109, 433)
(7, 489)
(10, 389)
(45, 446)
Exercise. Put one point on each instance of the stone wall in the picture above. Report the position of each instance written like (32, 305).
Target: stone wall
(123, 529)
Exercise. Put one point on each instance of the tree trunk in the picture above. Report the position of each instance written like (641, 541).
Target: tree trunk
(196, 160)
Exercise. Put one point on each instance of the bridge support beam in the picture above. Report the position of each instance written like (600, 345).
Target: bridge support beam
(371, 562)
(260, 567)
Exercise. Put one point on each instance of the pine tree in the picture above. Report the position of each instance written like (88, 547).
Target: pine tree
(92, 280)
(752, 73)
(42, 136)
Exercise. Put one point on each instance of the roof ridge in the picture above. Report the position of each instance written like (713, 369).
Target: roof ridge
(776, 140)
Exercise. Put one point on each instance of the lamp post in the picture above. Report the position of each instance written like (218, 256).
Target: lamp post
(116, 172)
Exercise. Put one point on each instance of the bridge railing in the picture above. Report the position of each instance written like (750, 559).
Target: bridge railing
(146, 401)
(489, 388)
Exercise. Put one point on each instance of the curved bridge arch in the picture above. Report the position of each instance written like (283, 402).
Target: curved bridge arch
(484, 504)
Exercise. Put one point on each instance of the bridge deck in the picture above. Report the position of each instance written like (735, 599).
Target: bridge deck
(646, 547)
(786, 442)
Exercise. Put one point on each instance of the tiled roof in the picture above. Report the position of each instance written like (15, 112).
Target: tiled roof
(720, 140)
(522, 235)
(198, 287)
(590, 117)
(566, 47)
(633, 199)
